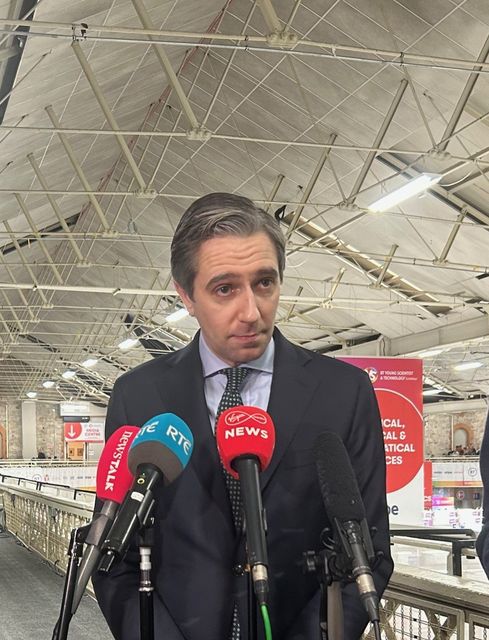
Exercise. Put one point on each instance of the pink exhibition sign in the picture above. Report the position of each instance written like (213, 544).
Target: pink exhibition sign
(398, 385)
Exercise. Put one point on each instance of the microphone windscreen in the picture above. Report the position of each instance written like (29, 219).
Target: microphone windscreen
(165, 442)
(337, 480)
(113, 476)
(245, 431)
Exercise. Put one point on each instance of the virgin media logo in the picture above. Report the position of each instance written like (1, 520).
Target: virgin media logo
(235, 418)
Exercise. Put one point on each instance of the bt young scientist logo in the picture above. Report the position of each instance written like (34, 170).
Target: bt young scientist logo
(373, 374)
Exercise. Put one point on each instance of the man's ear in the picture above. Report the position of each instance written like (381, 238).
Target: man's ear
(186, 299)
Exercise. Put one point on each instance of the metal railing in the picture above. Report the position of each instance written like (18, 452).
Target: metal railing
(456, 543)
(428, 606)
(42, 515)
(454, 458)
(418, 604)
(45, 462)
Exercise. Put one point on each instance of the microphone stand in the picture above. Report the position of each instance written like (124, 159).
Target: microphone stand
(331, 606)
(146, 589)
(75, 552)
(332, 566)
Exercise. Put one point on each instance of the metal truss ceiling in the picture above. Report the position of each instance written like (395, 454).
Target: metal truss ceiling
(121, 112)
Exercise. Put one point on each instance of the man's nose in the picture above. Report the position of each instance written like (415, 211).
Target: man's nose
(248, 311)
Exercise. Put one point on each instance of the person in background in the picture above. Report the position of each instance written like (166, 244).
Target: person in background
(227, 259)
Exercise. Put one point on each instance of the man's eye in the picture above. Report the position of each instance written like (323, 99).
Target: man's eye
(266, 282)
(224, 290)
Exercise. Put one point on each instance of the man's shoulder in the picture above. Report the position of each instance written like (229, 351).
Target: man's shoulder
(329, 363)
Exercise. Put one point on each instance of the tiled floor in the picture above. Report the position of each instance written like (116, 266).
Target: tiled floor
(30, 599)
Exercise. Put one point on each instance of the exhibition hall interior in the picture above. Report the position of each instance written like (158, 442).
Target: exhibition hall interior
(362, 128)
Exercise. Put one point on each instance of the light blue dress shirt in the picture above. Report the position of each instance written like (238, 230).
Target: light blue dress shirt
(255, 391)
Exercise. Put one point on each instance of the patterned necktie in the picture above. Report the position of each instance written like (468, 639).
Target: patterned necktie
(232, 398)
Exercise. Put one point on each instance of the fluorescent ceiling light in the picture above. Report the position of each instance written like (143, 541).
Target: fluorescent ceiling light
(408, 190)
(89, 362)
(67, 375)
(48, 384)
(430, 354)
(431, 392)
(127, 344)
(465, 366)
(31, 394)
(177, 315)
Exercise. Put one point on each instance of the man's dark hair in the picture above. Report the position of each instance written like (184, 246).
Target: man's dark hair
(217, 215)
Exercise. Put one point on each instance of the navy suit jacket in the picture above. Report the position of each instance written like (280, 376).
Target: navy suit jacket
(196, 547)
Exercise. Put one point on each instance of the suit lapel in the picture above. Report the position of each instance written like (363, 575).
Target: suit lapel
(292, 389)
(182, 389)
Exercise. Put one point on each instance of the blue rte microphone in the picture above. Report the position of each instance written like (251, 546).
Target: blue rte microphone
(160, 451)
(166, 442)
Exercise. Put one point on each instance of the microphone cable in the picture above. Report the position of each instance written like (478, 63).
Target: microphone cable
(266, 622)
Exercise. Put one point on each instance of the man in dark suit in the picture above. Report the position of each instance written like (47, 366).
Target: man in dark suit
(228, 258)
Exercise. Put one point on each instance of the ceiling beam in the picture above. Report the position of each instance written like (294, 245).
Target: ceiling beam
(438, 191)
(310, 185)
(361, 262)
(77, 167)
(97, 91)
(446, 336)
(22, 204)
(270, 15)
(368, 54)
(379, 138)
(462, 101)
(166, 66)
(131, 133)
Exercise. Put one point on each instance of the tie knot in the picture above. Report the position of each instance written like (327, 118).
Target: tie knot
(235, 376)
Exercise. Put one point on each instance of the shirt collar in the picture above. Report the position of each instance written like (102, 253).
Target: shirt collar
(211, 363)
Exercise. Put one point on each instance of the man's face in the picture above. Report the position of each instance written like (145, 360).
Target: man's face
(235, 297)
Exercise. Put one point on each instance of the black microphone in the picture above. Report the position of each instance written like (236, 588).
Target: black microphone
(346, 513)
(161, 450)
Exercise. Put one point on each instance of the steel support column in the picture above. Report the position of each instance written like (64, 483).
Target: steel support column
(54, 206)
(452, 236)
(78, 169)
(310, 186)
(469, 86)
(166, 65)
(386, 265)
(35, 285)
(92, 81)
(38, 237)
(270, 15)
(389, 116)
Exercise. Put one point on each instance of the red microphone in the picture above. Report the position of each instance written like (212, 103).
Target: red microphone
(113, 476)
(245, 441)
(113, 482)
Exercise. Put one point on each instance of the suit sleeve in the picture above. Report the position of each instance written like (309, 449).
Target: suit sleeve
(482, 543)
(118, 592)
(365, 447)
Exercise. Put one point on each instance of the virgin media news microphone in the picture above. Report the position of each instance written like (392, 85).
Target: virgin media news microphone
(160, 451)
(346, 513)
(113, 482)
(245, 441)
